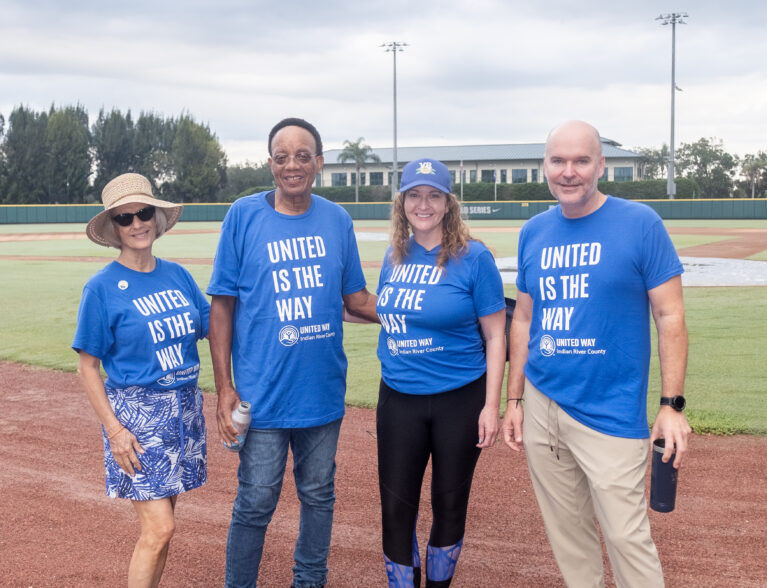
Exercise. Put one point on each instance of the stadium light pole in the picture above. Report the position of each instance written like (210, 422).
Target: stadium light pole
(672, 18)
(394, 47)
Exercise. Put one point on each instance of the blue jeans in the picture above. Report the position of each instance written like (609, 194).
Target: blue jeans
(262, 468)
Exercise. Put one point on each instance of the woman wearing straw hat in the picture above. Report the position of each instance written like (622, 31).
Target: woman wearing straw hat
(141, 317)
(440, 388)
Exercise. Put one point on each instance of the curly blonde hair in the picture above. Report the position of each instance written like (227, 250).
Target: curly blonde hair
(455, 233)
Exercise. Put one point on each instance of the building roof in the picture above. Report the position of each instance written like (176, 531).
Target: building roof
(456, 153)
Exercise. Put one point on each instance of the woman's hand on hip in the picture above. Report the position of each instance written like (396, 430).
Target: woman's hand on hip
(126, 449)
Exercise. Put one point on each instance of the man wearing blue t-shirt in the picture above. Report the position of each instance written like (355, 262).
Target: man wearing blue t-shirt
(589, 272)
(286, 265)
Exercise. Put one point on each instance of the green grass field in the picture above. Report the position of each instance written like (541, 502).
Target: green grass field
(726, 380)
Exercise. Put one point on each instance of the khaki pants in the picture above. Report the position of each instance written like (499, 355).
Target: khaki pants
(580, 476)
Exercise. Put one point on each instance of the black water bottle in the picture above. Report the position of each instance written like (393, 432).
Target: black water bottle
(662, 479)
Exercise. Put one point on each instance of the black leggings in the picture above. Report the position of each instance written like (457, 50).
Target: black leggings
(410, 429)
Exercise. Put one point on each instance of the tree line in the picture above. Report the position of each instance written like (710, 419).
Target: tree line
(715, 172)
(56, 156)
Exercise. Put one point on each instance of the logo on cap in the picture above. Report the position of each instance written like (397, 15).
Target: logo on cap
(424, 167)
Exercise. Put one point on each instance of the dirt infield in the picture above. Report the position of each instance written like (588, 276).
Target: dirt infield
(59, 529)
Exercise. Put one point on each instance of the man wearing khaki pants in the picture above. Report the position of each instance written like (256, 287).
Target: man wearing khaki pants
(589, 272)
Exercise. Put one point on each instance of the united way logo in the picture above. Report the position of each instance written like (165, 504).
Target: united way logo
(288, 336)
(392, 345)
(167, 380)
(122, 284)
(548, 346)
(425, 167)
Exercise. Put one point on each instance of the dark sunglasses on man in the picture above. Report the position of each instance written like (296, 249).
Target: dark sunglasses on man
(126, 218)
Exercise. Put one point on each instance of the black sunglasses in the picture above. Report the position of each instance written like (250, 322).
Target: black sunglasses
(126, 218)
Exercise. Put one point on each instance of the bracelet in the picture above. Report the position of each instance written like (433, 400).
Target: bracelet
(518, 401)
(115, 433)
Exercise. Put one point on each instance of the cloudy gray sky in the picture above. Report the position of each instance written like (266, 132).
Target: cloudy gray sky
(474, 71)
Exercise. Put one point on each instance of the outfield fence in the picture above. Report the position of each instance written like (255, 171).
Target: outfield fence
(726, 208)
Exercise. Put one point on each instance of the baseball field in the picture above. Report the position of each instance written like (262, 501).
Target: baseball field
(59, 528)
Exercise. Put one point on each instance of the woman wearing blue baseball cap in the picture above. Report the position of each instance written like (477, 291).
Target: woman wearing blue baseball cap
(441, 385)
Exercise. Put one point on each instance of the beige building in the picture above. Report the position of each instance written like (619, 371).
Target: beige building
(502, 164)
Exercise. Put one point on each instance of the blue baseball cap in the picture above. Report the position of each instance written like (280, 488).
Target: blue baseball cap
(425, 171)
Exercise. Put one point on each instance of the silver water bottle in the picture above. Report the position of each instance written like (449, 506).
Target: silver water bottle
(241, 422)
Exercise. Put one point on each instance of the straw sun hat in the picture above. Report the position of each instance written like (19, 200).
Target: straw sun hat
(126, 189)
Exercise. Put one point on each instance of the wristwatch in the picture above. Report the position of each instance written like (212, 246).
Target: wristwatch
(676, 402)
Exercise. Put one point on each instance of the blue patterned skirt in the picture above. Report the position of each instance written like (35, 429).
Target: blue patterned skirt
(170, 426)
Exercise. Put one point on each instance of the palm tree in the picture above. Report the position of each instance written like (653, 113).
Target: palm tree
(754, 168)
(360, 154)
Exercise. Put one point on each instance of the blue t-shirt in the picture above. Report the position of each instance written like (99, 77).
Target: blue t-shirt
(288, 274)
(143, 326)
(430, 340)
(588, 277)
